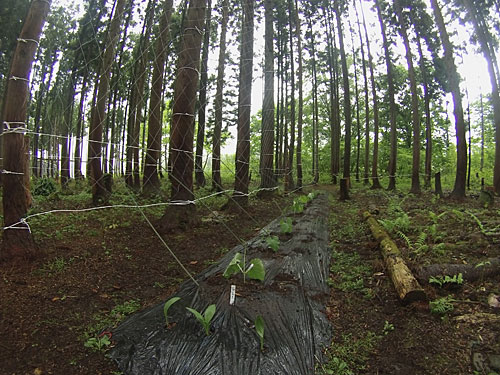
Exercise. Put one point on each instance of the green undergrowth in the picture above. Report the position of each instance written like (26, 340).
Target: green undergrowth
(349, 274)
(350, 354)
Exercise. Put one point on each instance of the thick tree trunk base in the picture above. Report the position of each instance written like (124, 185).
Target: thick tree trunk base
(407, 286)
(470, 272)
(375, 184)
(101, 191)
(344, 189)
(438, 190)
(178, 217)
(18, 244)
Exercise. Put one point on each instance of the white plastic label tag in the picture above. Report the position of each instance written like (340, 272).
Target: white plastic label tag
(232, 295)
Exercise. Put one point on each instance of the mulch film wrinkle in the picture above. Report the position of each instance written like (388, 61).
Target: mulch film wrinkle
(291, 301)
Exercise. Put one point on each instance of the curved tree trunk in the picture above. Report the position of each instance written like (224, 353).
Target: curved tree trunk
(17, 238)
(454, 84)
(216, 157)
(487, 47)
(151, 181)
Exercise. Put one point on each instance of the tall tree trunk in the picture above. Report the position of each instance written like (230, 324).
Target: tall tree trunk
(219, 102)
(367, 103)
(454, 84)
(136, 102)
(289, 184)
(200, 136)
(356, 99)
(100, 193)
(151, 182)
(301, 98)
(315, 129)
(240, 195)
(185, 90)
(415, 174)
(333, 115)
(375, 180)
(482, 133)
(428, 120)
(347, 101)
(268, 179)
(392, 103)
(17, 237)
(487, 46)
(79, 130)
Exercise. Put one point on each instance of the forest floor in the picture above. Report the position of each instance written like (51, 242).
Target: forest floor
(97, 267)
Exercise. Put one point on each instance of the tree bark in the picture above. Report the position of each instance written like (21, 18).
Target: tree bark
(415, 174)
(407, 286)
(200, 136)
(100, 194)
(347, 100)
(375, 180)
(240, 195)
(367, 104)
(268, 178)
(186, 87)
(216, 156)
(301, 98)
(17, 237)
(289, 184)
(151, 182)
(392, 103)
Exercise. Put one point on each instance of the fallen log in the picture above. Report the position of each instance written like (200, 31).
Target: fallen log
(470, 272)
(407, 286)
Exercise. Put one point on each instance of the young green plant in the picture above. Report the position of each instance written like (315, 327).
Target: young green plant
(205, 318)
(273, 242)
(286, 225)
(259, 328)
(255, 269)
(167, 306)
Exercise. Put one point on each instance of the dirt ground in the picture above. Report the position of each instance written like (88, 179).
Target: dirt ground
(95, 268)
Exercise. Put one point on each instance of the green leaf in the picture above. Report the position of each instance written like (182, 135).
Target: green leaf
(167, 305)
(234, 266)
(259, 328)
(197, 315)
(256, 270)
(273, 242)
(286, 225)
(209, 313)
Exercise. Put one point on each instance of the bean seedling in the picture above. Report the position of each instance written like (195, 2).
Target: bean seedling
(259, 328)
(205, 318)
(273, 242)
(167, 305)
(255, 270)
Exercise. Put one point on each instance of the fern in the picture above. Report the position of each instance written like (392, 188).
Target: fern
(442, 306)
(479, 224)
(406, 239)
